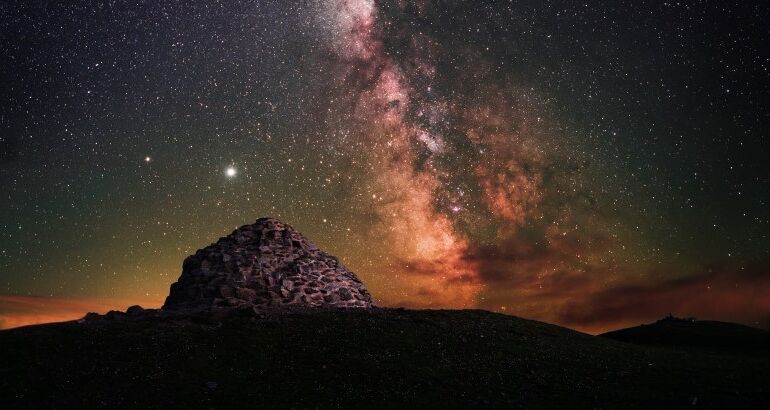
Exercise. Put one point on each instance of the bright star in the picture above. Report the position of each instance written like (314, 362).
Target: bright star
(231, 171)
(147, 159)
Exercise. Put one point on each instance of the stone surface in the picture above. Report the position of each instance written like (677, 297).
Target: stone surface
(262, 267)
(135, 310)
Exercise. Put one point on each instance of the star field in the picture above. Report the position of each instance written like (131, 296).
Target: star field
(586, 164)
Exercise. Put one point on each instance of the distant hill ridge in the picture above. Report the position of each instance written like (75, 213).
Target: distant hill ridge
(689, 332)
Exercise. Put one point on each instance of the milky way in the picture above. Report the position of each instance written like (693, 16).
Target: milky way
(590, 165)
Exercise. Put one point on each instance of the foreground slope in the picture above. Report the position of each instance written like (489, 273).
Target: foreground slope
(380, 358)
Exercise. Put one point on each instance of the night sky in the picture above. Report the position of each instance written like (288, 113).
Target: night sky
(590, 164)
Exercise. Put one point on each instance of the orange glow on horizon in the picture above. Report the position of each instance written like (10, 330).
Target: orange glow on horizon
(18, 310)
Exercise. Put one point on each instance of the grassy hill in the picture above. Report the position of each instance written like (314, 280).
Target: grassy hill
(383, 359)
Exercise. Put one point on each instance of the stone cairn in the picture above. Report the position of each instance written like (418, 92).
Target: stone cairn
(262, 267)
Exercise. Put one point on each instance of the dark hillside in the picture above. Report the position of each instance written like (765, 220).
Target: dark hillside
(383, 358)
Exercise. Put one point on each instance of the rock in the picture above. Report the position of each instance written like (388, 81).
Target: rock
(246, 294)
(91, 316)
(345, 294)
(226, 291)
(114, 315)
(135, 310)
(263, 267)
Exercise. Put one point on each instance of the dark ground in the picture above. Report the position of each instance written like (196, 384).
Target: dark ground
(384, 359)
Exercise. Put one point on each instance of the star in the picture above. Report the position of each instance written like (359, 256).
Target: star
(231, 172)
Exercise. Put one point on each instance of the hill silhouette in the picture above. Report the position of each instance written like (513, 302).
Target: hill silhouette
(690, 333)
(381, 358)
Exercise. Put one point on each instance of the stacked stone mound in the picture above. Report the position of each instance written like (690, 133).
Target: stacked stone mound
(262, 267)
